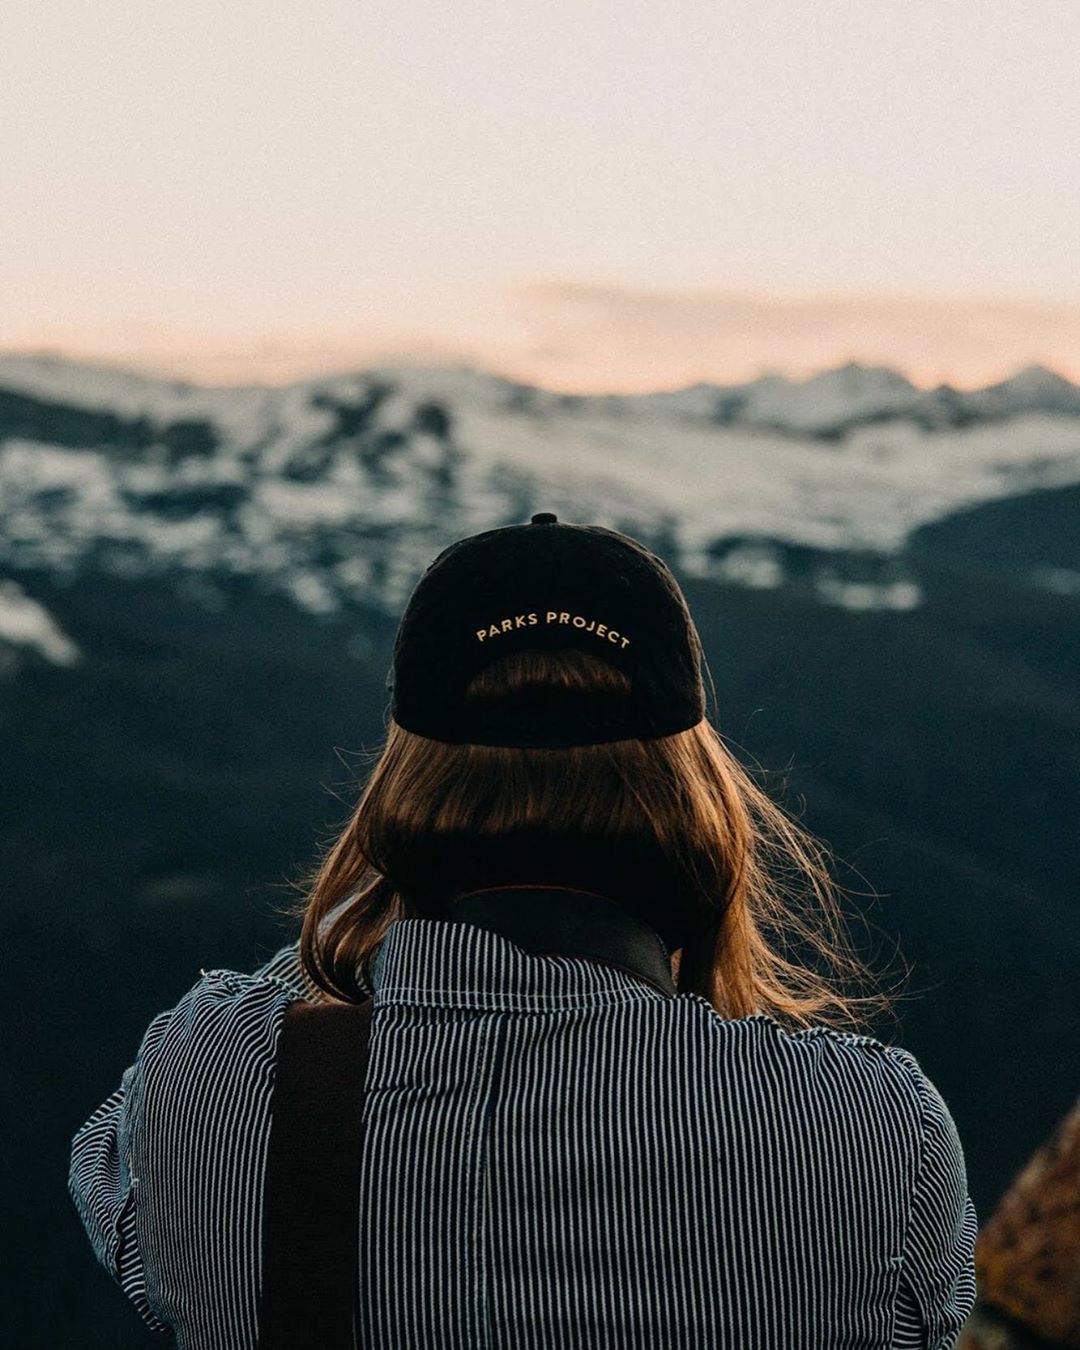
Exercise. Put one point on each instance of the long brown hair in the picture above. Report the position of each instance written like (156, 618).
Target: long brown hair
(674, 827)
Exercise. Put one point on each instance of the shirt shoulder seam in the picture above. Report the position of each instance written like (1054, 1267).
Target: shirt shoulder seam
(911, 1073)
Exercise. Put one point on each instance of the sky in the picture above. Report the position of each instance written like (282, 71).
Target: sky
(591, 196)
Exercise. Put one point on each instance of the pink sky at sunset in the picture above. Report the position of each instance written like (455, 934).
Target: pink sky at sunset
(601, 337)
(605, 197)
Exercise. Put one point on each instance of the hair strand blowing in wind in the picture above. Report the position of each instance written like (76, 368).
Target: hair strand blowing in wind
(674, 827)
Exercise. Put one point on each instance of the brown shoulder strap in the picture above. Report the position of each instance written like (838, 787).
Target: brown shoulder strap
(310, 1217)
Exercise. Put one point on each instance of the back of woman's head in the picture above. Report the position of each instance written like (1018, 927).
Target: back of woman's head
(672, 827)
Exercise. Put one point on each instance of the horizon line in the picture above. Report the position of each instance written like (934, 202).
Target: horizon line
(164, 371)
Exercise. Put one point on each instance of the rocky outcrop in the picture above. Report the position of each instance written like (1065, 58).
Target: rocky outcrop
(1027, 1257)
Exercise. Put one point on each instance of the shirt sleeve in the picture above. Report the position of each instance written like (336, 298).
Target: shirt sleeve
(101, 1184)
(937, 1280)
(211, 1028)
(110, 1165)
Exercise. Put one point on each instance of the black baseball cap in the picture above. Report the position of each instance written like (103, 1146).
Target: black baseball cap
(546, 584)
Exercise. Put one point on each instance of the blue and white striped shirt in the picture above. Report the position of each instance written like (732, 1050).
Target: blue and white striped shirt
(558, 1155)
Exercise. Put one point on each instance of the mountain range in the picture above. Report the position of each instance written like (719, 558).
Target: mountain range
(340, 489)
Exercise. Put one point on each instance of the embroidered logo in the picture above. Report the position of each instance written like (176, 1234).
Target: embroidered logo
(602, 630)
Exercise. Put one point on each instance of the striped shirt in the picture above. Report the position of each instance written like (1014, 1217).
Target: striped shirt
(558, 1155)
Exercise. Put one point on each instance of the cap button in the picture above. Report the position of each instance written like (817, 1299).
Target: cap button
(544, 518)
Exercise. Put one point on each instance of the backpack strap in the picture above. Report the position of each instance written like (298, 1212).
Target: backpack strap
(312, 1180)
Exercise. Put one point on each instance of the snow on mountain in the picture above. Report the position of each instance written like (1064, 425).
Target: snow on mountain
(1033, 389)
(832, 398)
(24, 623)
(345, 487)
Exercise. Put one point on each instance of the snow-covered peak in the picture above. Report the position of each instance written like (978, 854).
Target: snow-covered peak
(91, 384)
(846, 394)
(834, 402)
(1034, 387)
(343, 488)
(1035, 379)
(831, 401)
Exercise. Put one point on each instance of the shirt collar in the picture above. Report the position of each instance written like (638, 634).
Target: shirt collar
(523, 947)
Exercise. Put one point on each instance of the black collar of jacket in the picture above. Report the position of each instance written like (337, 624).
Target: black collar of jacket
(562, 921)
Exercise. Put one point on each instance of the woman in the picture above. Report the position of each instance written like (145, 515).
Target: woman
(611, 1099)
